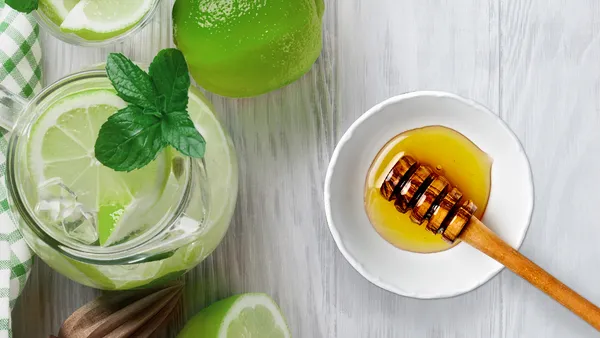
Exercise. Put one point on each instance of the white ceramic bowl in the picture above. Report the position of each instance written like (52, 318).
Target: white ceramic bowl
(434, 275)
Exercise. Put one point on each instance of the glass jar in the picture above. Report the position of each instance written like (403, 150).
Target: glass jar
(50, 23)
(180, 229)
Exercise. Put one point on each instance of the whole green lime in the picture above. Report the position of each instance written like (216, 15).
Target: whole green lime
(242, 48)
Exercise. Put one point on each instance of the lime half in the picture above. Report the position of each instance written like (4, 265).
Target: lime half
(62, 162)
(253, 315)
(104, 19)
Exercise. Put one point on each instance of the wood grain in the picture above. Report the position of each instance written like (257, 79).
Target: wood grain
(536, 62)
(483, 239)
(550, 87)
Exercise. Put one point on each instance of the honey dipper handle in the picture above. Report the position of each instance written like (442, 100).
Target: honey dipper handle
(483, 239)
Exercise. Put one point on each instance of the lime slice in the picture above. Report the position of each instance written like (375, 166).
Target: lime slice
(248, 315)
(61, 158)
(57, 10)
(104, 19)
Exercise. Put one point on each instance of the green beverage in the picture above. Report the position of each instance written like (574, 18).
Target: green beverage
(94, 22)
(115, 229)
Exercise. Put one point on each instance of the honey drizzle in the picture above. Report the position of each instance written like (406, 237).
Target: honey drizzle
(449, 154)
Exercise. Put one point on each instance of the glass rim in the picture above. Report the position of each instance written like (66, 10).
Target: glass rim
(50, 26)
(129, 252)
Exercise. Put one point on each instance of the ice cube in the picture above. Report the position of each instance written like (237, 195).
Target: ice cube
(58, 207)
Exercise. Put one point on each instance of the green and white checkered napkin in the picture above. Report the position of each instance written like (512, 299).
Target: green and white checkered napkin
(20, 72)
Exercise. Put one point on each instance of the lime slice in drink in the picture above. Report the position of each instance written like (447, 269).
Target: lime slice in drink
(57, 10)
(104, 19)
(247, 315)
(62, 163)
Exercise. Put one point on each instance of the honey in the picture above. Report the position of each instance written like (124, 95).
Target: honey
(448, 153)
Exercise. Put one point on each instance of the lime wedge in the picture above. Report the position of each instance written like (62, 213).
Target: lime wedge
(61, 158)
(104, 19)
(57, 10)
(248, 315)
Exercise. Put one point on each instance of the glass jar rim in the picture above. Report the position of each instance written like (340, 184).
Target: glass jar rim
(125, 253)
(48, 25)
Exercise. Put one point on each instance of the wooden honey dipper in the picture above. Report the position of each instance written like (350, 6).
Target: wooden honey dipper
(432, 199)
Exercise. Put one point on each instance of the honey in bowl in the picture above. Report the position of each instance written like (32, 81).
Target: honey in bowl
(449, 154)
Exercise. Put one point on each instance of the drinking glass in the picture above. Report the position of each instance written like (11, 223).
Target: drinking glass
(50, 25)
(172, 242)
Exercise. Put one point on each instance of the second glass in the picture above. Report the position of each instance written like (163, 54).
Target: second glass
(98, 24)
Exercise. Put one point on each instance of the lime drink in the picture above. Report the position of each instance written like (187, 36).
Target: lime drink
(109, 229)
(92, 22)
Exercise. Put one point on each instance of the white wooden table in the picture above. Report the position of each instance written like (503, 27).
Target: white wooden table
(534, 62)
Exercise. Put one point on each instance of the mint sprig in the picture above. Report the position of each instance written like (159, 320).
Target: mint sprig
(24, 6)
(156, 115)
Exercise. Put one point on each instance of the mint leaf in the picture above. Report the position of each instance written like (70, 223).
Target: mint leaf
(131, 83)
(179, 131)
(24, 6)
(155, 117)
(169, 73)
(129, 139)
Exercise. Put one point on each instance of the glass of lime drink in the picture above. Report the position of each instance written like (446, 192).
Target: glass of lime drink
(106, 229)
(94, 22)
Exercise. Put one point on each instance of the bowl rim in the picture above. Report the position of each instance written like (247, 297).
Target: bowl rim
(348, 134)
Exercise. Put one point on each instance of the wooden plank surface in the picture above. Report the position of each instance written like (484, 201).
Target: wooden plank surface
(535, 62)
(550, 96)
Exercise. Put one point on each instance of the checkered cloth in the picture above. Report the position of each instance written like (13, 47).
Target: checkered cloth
(20, 72)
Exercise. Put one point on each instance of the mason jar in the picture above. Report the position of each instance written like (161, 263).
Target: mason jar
(51, 21)
(163, 238)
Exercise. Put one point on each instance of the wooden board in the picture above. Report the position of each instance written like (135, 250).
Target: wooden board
(535, 62)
